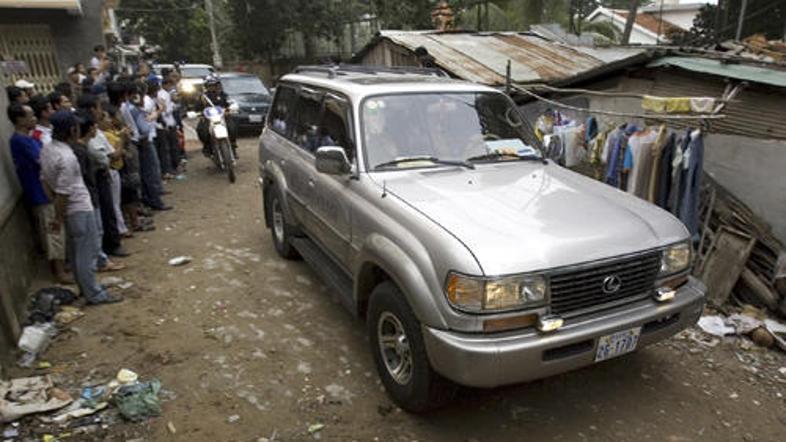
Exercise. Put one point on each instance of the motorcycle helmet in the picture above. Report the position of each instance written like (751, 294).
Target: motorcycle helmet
(212, 80)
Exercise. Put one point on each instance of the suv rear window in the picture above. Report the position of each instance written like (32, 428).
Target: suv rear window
(283, 110)
(305, 130)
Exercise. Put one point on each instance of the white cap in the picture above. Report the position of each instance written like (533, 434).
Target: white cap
(24, 84)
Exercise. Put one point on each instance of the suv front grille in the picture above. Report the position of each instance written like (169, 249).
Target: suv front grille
(580, 290)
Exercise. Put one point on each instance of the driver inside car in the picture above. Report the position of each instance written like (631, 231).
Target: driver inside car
(216, 94)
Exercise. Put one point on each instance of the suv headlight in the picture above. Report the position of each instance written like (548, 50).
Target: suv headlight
(675, 259)
(478, 294)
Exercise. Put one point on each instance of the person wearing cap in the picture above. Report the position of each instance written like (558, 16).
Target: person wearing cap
(62, 175)
(25, 86)
(26, 152)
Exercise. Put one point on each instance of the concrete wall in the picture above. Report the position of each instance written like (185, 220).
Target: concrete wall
(75, 35)
(17, 250)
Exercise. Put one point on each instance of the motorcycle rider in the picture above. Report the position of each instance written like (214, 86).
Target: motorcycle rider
(216, 94)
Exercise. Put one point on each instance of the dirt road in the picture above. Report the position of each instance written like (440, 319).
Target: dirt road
(255, 347)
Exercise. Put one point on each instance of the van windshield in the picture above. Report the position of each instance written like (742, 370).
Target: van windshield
(414, 130)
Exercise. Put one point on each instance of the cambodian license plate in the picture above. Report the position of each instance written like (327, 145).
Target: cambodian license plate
(616, 344)
(255, 118)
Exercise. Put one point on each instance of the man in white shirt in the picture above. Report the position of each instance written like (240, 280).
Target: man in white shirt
(169, 135)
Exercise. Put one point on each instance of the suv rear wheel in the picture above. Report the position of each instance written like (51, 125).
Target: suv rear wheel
(400, 354)
(280, 230)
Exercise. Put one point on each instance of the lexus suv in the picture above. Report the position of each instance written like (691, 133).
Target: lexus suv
(426, 205)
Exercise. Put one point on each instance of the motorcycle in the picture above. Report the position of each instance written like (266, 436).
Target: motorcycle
(221, 149)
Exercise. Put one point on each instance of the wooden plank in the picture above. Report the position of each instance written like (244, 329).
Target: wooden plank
(757, 289)
(724, 263)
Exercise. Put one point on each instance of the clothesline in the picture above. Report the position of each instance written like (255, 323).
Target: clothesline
(604, 93)
(620, 114)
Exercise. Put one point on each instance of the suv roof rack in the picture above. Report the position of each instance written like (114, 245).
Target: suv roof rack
(335, 70)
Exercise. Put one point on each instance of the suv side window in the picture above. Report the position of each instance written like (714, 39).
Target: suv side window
(336, 126)
(281, 115)
(305, 130)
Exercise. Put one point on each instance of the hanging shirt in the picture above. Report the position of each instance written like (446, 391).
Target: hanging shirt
(26, 153)
(665, 137)
(676, 189)
(694, 166)
(640, 145)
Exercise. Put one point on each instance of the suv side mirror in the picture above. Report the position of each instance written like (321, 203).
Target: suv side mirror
(332, 160)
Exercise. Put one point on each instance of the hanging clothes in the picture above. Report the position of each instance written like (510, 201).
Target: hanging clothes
(590, 130)
(640, 145)
(617, 155)
(572, 143)
(662, 147)
(675, 193)
(691, 182)
(596, 158)
(666, 105)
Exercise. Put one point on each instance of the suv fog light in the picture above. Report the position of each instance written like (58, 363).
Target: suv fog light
(664, 294)
(549, 323)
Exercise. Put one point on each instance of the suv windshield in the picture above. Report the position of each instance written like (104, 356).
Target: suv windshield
(414, 130)
(195, 71)
(243, 85)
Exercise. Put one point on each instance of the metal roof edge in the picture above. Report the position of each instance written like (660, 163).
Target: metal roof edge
(739, 71)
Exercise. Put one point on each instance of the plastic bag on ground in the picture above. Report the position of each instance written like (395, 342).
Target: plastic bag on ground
(138, 401)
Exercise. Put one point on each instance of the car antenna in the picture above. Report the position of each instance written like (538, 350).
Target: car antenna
(384, 188)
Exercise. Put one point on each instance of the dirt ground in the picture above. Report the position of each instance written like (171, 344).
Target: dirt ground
(249, 347)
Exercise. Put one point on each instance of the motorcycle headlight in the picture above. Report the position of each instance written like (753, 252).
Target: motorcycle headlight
(187, 88)
(477, 294)
(675, 259)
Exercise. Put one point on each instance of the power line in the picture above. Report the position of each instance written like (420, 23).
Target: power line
(157, 10)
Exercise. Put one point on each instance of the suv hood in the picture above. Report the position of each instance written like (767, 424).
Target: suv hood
(521, 217)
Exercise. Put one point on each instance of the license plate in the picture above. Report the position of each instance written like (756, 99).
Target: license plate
(255, 118)
(616, 344)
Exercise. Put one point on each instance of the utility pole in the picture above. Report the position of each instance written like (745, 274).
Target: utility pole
(213, 40)
(741, 21)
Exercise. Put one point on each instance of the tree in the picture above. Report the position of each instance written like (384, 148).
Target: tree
(179, 27)
(259, 27)
(717, 23)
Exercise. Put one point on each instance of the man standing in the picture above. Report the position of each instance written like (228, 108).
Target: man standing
(26, 153)
(43, 110)
(62, 175)
(149, 167)
(60, 101)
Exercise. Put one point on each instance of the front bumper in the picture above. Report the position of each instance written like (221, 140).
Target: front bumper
(507, 358)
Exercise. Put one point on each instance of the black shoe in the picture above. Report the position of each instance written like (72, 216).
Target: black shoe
(119, 252)
(163, 208)
(109, 298)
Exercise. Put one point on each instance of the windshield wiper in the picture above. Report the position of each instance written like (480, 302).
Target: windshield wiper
(434, 160)
(499, 155)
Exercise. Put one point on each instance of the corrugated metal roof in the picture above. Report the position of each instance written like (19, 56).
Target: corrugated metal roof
(765, 75)
(483, 57)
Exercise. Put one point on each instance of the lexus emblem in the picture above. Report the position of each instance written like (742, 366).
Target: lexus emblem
(611, 284)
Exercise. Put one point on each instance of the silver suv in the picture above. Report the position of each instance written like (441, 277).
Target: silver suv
(425, 204)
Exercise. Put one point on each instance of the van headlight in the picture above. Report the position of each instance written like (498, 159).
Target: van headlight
(479, 294)
(676, 259)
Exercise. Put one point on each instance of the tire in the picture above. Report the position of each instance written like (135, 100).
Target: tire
(226, 159)
(280, 230)
(422, 389)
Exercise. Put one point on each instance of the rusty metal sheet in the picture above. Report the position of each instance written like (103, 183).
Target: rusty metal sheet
(483, 57)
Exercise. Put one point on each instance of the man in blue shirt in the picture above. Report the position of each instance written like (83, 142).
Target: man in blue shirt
(26, 152)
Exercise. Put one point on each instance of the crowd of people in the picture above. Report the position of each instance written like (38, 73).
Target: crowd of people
(92, 157)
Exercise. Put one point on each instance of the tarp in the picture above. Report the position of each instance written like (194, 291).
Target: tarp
(772, 76)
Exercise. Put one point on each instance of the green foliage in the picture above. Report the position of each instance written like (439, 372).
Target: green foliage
(179, 27)
(604, 28)
(719, 23)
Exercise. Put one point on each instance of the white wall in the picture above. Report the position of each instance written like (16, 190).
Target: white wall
(683, 19)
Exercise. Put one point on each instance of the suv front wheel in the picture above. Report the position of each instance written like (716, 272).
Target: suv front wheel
(400, 354)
